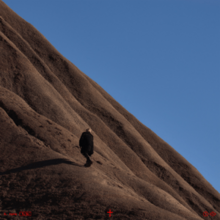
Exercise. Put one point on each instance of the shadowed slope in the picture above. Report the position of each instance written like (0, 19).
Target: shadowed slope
(45, 104)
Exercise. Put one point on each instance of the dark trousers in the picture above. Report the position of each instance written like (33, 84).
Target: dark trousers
(85, 154)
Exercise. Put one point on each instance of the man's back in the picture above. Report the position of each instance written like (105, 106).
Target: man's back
(86, 141)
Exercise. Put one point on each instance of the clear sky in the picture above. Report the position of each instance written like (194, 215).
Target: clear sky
(160, 59)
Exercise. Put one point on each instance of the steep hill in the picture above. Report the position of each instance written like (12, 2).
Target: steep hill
(46, 102)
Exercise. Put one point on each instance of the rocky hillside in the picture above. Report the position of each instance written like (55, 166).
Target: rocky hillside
(46, 102)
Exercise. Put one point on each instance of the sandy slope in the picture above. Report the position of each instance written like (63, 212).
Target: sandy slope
(45, 104)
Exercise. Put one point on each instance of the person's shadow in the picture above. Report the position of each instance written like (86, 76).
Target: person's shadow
(41, 164)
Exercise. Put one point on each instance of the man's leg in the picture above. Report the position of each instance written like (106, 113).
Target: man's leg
(85, 154)
(88, 162)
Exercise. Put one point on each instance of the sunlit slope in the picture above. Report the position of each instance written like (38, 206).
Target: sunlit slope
(46, 103)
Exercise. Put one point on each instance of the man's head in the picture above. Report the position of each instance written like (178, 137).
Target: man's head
(89, 130)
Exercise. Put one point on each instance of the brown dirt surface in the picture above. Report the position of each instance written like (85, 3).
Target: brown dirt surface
(46, 102)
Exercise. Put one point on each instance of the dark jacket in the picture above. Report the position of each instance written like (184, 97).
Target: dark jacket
(86, 143)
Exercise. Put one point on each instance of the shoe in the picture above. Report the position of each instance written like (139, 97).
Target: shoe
(88, 163)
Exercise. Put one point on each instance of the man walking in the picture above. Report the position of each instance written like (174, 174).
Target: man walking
(86, 144)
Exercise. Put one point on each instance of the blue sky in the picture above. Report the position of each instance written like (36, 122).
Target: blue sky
(159, 59)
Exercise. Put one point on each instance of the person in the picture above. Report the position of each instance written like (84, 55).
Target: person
(86, 144)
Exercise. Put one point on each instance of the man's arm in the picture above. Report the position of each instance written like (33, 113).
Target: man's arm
(80, 141)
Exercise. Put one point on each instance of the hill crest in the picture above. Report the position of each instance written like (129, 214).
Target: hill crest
(46, 102)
